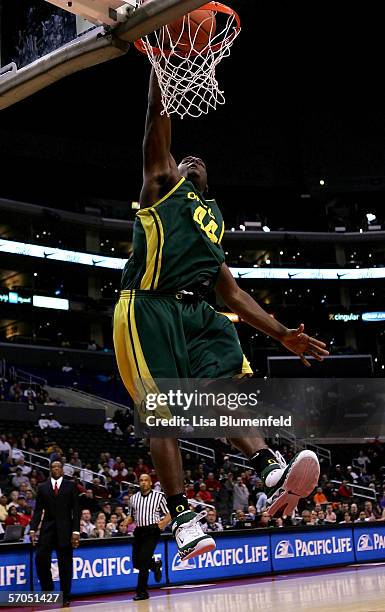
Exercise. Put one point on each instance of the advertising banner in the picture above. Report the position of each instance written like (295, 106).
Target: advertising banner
(369, 543)
(234, 556)
(305, 550)
(104, 568)
(15, 570)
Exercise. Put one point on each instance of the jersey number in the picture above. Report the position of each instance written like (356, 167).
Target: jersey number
(199, 215)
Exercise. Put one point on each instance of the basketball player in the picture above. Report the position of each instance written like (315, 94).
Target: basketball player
(164, 329)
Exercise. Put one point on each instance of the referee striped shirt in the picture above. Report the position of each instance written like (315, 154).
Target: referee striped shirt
(148, 509)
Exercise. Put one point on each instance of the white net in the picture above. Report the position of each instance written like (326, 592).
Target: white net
(185, 59)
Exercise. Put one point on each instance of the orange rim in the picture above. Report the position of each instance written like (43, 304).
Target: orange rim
(210, 6)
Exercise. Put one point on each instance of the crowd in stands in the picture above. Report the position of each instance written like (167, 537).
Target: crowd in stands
(233, 496)
(30, 394)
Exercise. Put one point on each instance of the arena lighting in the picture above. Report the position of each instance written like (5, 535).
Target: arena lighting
(41, 301)
(232, 316)
(370, 217)
(116, 263)
(266, 228)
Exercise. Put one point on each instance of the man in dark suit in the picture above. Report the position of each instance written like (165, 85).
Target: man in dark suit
(60, 529)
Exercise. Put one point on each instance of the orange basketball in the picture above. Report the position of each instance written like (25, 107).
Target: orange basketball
(193, 31)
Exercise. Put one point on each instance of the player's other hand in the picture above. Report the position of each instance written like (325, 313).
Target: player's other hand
(299, 343)
(32, 536)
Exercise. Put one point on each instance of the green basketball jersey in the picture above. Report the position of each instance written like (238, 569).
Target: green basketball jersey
(176, 243)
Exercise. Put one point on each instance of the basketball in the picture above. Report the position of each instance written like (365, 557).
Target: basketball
(193, 31)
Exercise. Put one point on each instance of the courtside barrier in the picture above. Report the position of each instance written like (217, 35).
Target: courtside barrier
(102, 566)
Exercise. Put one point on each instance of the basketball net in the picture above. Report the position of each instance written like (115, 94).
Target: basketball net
(187, 79)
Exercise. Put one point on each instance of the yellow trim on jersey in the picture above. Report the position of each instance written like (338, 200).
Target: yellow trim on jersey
(146, 381)
(132, 364)
(154, 233)
(222, 232)
(170, 192)
(246, 369)
(121, 344)
(140, 212)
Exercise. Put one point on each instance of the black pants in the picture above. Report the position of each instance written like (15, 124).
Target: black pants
(145, 541)
(47, 543)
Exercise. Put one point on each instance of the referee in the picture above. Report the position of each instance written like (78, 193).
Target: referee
(146, 507)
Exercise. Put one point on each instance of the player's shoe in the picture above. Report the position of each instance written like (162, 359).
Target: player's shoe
(297, 480)
(189, 536)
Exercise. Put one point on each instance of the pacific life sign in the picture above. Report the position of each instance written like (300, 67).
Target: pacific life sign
(232, 557)
(370, 544)
(104, 568)
(15, 571)
(312, 549)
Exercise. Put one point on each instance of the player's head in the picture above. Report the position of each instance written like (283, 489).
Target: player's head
(194, 169)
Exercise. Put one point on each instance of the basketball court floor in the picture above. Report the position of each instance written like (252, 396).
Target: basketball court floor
(357, 588)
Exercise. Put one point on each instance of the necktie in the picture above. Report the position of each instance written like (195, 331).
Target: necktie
(56, 489)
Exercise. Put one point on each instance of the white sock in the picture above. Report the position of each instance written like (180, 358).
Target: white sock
(273, 477)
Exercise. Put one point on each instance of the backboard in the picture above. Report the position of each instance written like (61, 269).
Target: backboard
(42, 43)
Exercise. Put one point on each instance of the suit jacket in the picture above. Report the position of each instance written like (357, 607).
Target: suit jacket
(61, 512)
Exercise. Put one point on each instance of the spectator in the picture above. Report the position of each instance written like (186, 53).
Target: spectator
(320, 497)
(30, 500)
(109, 426)
(119, 511)
(351, 475)
(13, 517)
(43, 422)
(98, 490)
(321, 517)
(106, 509)
(369, 512)
(354, 512)
(330, 516)
(14, 496)
(25, 469)
(306, 519)
(264, 520)
(131, 476)
(261, 503)
(5, 449)
(19, 478)
(86, 474)
(113, 525)
(362, 518)
(141, 468)
(212, 484)
(88, 502)
(204, 495)
(344, 490)
(16, 392)
(53, 423)
(16, 453)
(241, 495)
(212, 523)
(363, 460)
(86, 526)
(347, 518)
(30, 397)
(100, 531)
(3, 508)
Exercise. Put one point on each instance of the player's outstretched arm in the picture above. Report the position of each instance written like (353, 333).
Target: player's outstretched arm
(160, 172)
(247, 308)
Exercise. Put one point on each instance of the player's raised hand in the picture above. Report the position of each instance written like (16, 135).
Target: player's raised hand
(299, 343)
